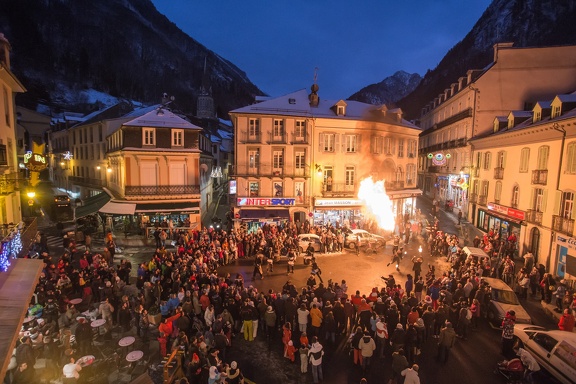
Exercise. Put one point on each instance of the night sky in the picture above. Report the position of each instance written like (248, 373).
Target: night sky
(352, 43)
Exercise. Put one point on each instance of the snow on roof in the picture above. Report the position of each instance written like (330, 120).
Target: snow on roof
(161, 118)
(225, 134)
(298, 104)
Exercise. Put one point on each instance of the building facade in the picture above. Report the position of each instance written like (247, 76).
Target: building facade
(300, 158)
(467, 108)
(523, 181)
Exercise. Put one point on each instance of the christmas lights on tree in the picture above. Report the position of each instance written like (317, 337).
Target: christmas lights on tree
(5, 257)
(10, 250)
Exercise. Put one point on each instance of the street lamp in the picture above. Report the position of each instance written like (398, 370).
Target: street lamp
(31, 194)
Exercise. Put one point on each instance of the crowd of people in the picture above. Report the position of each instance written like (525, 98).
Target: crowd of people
(201, 311)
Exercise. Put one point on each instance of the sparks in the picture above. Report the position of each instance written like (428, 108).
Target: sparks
(377, 203)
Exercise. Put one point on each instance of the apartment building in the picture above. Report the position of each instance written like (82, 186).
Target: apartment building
(301, 158)
(524, 173)
(467, 108)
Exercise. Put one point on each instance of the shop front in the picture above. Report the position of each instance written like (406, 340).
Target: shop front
(338, 212)
(254, 212)
(565, 257)
(502, 220)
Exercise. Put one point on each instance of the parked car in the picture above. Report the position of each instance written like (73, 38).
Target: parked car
(366, 237)
(554, 350)
(308, 238)
(503, 299)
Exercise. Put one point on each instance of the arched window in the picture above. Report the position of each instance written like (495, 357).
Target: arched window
(498, 191)
(524, 159)
(515, 196)
(543, 153)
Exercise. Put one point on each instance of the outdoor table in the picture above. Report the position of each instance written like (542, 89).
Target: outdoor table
(76, 301)
(126, 341)
(85, 361)
(96, 324)
(29, 319)
(134, 356)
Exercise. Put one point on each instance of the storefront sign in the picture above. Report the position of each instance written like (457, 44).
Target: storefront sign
(35, 161)
(511, 212)
(265, 201)
(232, 187)
(568, 242)
(337, 202)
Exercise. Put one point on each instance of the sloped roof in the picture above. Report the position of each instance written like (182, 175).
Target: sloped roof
(298, 104)
(161, 118)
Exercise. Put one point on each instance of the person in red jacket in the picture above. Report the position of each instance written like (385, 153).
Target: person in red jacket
(567, 321)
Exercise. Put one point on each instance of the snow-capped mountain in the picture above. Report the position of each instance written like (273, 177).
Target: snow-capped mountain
(389, 90)
(65, 51)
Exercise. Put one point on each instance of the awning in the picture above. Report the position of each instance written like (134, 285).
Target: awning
(92, 205)
(404, 193)
(264, 213)
(114, 208)
(169, 208)
(504, 217)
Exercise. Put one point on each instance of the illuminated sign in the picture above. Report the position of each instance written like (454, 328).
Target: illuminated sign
(232, 187)
(68, 155)
(511, 212)
(337, 202)
(265, 201)
(35, 161)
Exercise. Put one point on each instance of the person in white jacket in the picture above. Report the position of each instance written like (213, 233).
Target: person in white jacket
(315, 353)
(367, 347)
(411, 375)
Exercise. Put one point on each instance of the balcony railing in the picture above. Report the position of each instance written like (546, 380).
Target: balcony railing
(394, 185)
(433, 169)
(499, 173)
(300, 139)
(276, 139)
(533, 216)
(562, 224)
(148, 190)
(341, 189)
(540, 176)
(473, 198)
(475, 172)
(482, 199)
(246, 137)
(453, 119)
(267, 170)
(87, 181)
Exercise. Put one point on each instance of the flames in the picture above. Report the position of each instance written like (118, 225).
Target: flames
(377, 203)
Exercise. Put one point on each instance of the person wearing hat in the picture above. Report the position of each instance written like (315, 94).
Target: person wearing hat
(411, 374)
(508, 334)
(270, 322)
(398, 337)
(445, 342)
(233, 373)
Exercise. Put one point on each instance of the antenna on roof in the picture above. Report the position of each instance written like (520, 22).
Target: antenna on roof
(313, 97)
(315, 74)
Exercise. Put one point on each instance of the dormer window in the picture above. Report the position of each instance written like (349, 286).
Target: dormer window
(148, 136)
(340, 110)
(537, 116)
(556, 111)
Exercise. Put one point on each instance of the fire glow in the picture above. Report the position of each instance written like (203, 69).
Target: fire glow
(377, 203)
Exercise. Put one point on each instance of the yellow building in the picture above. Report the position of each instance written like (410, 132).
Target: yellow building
(302, 158)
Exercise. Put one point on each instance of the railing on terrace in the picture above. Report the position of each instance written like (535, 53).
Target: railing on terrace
(148, 190)
(540, 176)
(562, 224)
(533, 216)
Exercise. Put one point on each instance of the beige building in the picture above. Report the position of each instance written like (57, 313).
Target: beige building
(524, 177)
(301, 158)
(10, 181)
(467, 108)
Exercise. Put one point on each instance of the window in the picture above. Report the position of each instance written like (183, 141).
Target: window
(487, 160)
(6, 106)
(253, 127)
(571, 158)
(555, 111)
(99, 133)
(278, 128)
(524, 157)
(485, 185)
(399, 174)
(410, 174)
(412, 148)
(388, 145)
(350, 175)
(300, 129)
(148, 136)
(254, 158)
(377, 142)
(300, 163)
(567, 204)
(498, 191)
(515, 196)
(537, 116)
(254, 188)
(538, 200)
(327, 142)
(501, 159)
(278, 159)
(177, 137)
(340, 110)
(351, 143)
(545, 341)
(478, 159)
(543, 153)
(400, 147)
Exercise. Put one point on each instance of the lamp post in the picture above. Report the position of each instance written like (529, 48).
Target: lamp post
(31, 194)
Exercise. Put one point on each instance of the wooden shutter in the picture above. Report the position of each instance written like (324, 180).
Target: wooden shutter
(557, 203)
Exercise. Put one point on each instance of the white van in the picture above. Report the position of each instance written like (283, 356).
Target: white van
(476, 254)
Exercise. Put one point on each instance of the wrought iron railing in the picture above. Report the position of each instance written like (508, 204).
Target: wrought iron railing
(276, 139)
(268, 170)
(540, 176)
(246, 137)
(473, 198)
(482, 199)
(148, 190)
(87, 181)
(562, 224)
(499, 173)
(533, 216)
(338, 188)
(394, 185)
(300, 139)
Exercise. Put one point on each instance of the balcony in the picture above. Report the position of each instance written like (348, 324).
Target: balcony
(267, 170)
(455, 118)
(533, 216)
(150, 190)
(540, 176)
(300, 139)
(433, 169)
(499, 173)
(475, 172)
(338, 189)
(245, 137)
(473, 198)
(562, 224)
(87, 181)
(276, 139)
(394, 185)
(461, 142)
(482, 199)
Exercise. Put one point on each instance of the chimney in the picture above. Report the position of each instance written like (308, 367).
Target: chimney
(4, 51)
(499, 46)
(313, 97)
